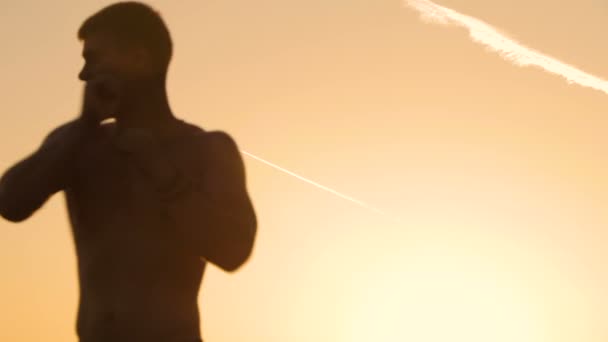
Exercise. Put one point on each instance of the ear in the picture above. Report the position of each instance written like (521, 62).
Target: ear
(141, 59)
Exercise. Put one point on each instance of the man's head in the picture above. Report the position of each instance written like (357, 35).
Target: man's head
(126, 40)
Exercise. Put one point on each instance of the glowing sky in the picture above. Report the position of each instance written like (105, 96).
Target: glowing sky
(497, 173)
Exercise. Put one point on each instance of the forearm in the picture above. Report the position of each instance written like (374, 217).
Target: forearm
(223, 234)
(29, 183)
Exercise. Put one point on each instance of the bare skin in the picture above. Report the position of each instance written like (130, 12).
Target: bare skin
(151, 200)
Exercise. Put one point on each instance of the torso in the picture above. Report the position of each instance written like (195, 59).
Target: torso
(137, 281)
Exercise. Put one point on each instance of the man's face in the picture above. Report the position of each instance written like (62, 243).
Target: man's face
(103, 57)
(111, 71)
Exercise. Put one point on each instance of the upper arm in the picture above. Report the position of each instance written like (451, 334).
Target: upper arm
(213, 176)
(223, 166)
(213, 208)
(223, 176)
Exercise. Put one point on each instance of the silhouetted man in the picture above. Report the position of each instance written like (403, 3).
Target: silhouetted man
(150, 197)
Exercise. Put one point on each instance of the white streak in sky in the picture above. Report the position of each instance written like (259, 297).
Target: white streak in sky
(493, 40)
(507, 48)
(320, 186)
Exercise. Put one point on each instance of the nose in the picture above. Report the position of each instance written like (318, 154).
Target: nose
(85, 73)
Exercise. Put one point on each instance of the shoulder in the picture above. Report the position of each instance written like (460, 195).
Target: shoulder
(214, 145)
(221, 154)
(219, 148)
(196, 133)
(219, 141)
(216, 141)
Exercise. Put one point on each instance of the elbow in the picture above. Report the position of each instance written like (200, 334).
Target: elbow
(237, 258)
(236, 254)
(13, 214)
(9, 211)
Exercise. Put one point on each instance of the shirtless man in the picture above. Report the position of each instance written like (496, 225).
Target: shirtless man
(151, 198)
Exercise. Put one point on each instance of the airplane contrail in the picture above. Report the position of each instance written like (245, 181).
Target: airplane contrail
(320, 186)
(509, 49)
(484, 34)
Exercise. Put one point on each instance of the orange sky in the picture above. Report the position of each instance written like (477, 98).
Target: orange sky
(497, 172)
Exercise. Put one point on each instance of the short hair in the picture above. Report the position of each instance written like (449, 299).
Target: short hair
(131, 23)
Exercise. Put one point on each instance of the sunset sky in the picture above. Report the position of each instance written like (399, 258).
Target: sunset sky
(493, 177)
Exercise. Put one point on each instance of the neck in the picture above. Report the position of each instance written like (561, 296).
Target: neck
(144, 106)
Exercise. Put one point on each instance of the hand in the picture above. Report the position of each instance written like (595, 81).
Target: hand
(101, 99)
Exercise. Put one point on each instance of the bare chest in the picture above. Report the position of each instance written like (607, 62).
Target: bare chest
(119, 192)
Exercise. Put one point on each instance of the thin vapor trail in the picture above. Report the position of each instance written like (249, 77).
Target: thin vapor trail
(509, 49)
(484, 34)
(320, 186)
